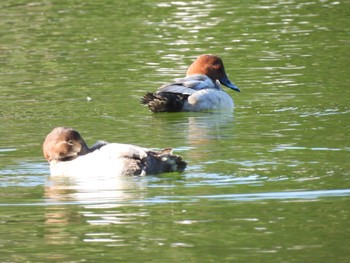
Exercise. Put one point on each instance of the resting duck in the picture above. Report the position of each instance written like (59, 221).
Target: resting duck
(68, 154)
(200, 90)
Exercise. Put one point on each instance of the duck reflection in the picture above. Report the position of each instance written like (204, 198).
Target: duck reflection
(90, 202)
(94, 190)
(210, 127)
(206, 133)
(200, 132)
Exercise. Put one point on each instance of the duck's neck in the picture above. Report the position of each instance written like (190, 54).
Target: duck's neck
(84, 148)
(67, 158)
(97, 145)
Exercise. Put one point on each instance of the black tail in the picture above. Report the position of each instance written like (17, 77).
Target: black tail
(164, 161)
(164, 101)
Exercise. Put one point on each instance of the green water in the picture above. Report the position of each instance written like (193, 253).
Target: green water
(267, 183)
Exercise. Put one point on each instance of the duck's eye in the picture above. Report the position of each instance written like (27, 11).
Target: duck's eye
(70, 142)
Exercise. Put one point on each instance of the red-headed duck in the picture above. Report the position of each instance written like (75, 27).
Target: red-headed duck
(68, 154)
(200, 90)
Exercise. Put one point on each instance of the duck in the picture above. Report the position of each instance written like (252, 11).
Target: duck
(69, 155)
(199, 91)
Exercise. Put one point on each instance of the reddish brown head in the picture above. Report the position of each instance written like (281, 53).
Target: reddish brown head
(63, 144)
(213, 67)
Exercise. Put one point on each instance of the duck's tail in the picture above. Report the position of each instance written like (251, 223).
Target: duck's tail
(164, 101)
(164, 161)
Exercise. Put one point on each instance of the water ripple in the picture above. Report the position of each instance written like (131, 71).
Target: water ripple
(295, 195)
(288, 196)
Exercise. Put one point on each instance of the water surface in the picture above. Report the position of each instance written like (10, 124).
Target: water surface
(267, 183)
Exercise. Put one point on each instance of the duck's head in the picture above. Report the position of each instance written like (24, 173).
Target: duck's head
(213, 67)
(64, 144)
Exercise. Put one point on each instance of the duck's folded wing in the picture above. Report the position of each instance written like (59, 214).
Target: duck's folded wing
(176, 88)
(188, 85)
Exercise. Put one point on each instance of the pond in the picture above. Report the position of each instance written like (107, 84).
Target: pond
(268, 182)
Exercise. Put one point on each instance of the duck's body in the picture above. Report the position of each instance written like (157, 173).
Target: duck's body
(200, 90)
(68, 154)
